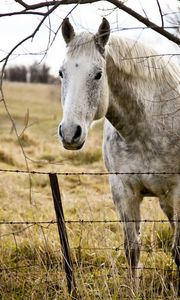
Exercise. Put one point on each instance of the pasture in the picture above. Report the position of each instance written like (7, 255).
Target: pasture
(30, 260)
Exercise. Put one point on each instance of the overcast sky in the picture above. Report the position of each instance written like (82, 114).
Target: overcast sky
(84, 17)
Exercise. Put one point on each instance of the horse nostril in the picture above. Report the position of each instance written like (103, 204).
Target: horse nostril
(77, 133)
(60, 131)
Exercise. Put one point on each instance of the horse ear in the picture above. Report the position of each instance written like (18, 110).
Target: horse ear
(67, 31)
(103, 32)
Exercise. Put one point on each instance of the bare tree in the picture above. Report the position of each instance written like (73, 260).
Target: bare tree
(39, 73)
(16, 73)
(45, 8)
(51, 6)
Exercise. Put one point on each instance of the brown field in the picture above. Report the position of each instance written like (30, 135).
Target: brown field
(30, 257)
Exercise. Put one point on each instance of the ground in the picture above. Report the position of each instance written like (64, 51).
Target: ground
(30, 258)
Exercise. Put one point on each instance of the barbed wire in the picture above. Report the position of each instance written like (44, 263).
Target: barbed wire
(86, 173)
(148, 249)
(15, 269)
(51, 263)
(84, 264)
(81, 221)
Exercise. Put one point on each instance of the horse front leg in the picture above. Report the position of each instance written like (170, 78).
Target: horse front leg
(127, 200)
(176, 239)
(131, 245)
(176, 251)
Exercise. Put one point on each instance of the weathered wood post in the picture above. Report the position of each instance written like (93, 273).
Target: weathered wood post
(68, 265)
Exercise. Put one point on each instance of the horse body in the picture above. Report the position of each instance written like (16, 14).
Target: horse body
(128, 190)
(139, 94)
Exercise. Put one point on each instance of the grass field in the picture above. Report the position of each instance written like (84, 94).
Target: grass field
(30, 257)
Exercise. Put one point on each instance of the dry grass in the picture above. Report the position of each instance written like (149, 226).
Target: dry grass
(30, 257)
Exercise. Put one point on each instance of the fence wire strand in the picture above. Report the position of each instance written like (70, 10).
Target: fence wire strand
(86, 173)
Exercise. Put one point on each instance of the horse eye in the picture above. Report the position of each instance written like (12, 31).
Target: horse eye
(98, 76)
(61, 74)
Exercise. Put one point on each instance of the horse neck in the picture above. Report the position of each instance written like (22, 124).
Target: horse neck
(127, 124)
(135, 86)
(126, 111)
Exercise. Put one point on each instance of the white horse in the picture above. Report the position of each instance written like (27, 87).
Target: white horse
(139, 94)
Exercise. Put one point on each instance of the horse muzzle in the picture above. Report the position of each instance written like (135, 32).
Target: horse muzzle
(71, 136)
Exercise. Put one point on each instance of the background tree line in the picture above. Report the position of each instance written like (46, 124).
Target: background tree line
(34, 73)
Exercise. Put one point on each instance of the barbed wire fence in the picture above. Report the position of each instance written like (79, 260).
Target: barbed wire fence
(67, 263)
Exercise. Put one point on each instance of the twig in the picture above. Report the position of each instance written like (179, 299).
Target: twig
(160, 11)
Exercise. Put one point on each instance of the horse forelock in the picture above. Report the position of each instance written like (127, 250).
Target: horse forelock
(82, 44)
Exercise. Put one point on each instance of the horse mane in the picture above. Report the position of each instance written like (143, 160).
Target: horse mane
(133, 58)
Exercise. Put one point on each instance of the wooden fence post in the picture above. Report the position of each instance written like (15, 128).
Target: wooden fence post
(68, 265)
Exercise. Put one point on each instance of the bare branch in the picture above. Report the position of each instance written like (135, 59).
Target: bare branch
(160, 11)
(52, 3)
(145, 21)
(5, 59)
(22, 3)
(22, 12)
(117, 3)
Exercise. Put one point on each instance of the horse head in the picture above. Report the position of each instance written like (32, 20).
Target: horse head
(84, 85)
